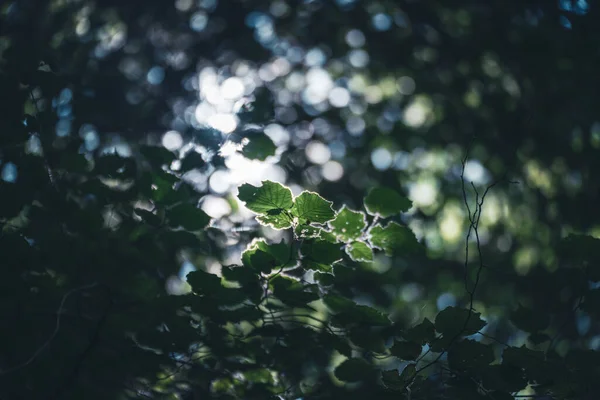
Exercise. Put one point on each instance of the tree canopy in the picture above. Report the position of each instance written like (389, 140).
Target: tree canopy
(299, 199)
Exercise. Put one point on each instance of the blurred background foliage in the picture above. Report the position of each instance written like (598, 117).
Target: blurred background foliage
(350, 94)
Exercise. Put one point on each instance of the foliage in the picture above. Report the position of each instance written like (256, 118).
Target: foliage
(120, 281)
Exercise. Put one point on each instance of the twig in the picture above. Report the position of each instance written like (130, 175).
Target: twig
(54, 333)
(75, 371)
(474, 219)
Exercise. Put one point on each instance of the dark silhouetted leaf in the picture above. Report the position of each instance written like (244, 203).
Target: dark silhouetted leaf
(452, 321)
(529, 320)
(469, 355)
(188, 216)
(406, 350)
(353, 370)
(422, 333)
(259, 147)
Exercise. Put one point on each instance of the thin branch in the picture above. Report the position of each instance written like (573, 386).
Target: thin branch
(474, 219)
(54, 333)
(93, 341)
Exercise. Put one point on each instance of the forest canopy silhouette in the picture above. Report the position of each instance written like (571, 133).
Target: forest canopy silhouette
(299, 199)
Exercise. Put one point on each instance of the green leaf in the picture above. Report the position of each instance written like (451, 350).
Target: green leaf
(392, 380)
(188, 216)
(157, 155)
(529, 320)
(451, 322)
(192, 160)
(310, 207)
(532, 361)
(148, 217)
(469, 355)
(353, 370)
(367, 339)
(324, 278)
(385, 202)
(422, 333)
(340, 344)
(308, 231)
(584, 249)
(406, 350)
(394, 239)
(503, 377)
(239, 274)
(244, 313)
(262, 258)
(321, 251)
(259, 147)
(408, 372)
(281, 251)
(359, 251)
(258, 375)
(292, 292)
(276, 219)
(203, 282)
(247, 278)
(338, 303)
(348, 225)
(348, 312)
(270, 196)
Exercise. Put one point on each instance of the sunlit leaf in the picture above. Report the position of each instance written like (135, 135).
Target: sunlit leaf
(359, 251)
(276, 219)
(394, 239)
(270, 196)
(310, 207)
(308, 231)
(385, 202)
(348, 225)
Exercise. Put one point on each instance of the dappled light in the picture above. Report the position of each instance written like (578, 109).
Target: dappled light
(280, 199)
